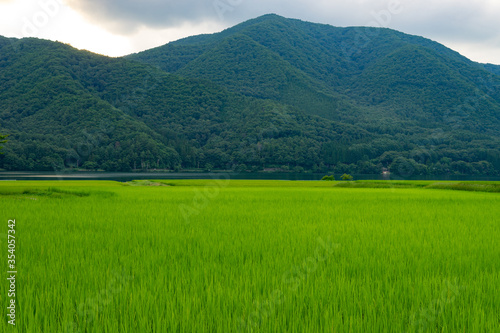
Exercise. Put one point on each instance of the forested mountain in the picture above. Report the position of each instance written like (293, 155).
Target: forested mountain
(495, 69)
(359, 75)
(68, 108)
(268, 93)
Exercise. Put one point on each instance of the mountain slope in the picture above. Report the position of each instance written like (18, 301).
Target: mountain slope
(495, 69)
(338, 64)
(228, 64)
(268, 93)
(424, 95)
(55, 121)
(64, 107)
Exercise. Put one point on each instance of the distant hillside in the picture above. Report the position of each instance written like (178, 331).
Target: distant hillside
(495, 69)
(363, 76)
(63, 107)
(270, 93)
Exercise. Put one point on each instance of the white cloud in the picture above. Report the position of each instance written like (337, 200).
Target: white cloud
(128, 16)
(145, 38)
(50, 19)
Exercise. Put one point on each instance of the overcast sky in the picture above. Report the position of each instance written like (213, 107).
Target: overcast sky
(120, 27)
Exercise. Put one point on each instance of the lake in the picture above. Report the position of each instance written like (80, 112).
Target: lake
(128, 176)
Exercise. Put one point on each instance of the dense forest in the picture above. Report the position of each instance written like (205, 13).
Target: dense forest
(270, 93)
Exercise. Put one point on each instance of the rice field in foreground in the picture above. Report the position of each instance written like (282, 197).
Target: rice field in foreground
(251, 256)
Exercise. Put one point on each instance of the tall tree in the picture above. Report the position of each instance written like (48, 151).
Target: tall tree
(2, 140)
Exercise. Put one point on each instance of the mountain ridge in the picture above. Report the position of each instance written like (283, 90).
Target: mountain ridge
(268, 93)
(331, 57)
(56, 98)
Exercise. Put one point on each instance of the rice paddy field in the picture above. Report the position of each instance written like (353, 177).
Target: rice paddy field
(252, 256)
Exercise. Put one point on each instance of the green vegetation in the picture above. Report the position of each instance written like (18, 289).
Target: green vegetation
(253, 256)
(421, 101)
(2, 140)
(346, 177)
(449, 185)
(389, 76)
(270, 93)
(115, 114)
(495, 69)
(328, 178)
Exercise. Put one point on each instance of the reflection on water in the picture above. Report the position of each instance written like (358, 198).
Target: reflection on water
(120, 176)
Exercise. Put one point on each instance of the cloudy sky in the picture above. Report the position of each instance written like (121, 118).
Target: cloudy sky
(120, 27)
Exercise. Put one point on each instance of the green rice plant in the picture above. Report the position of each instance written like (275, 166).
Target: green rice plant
(449, 185)
(263, 256)
(467, 186)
